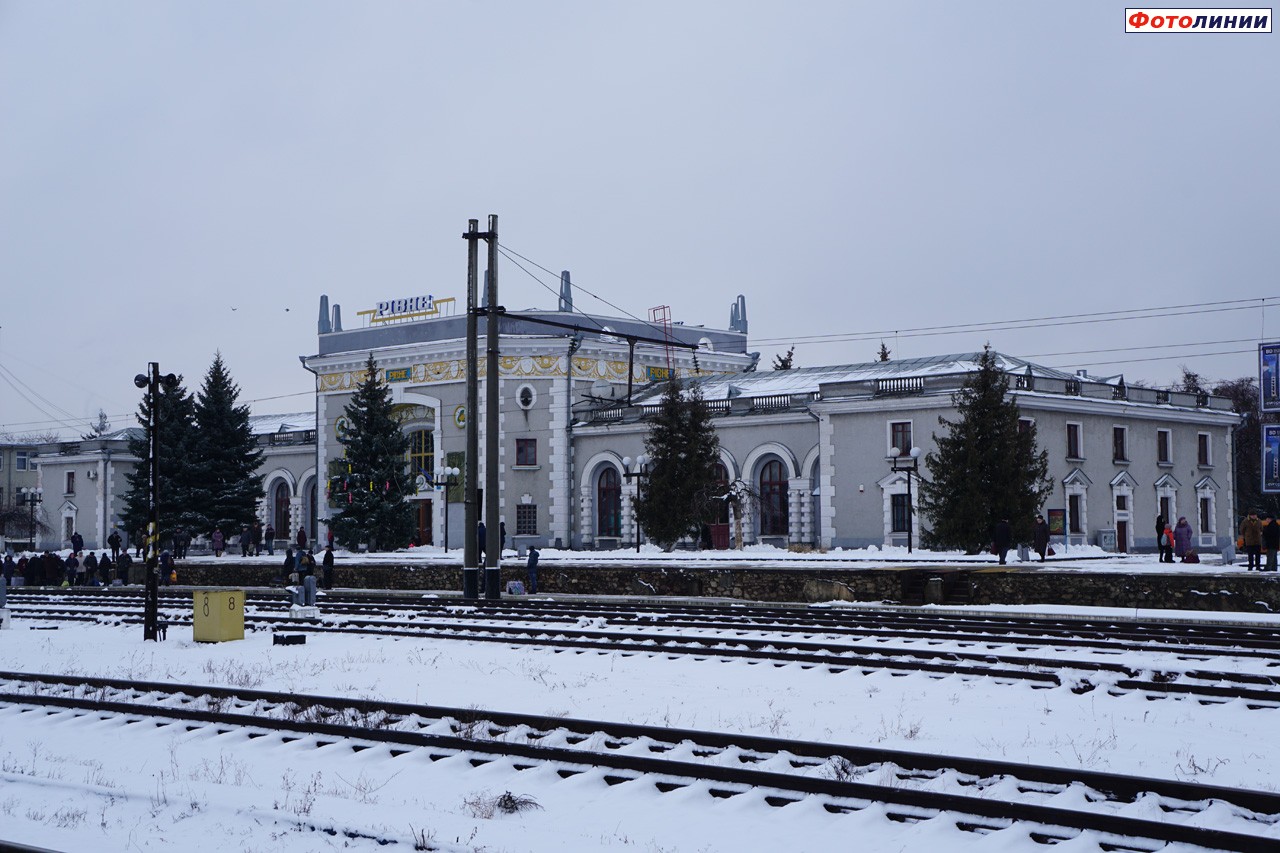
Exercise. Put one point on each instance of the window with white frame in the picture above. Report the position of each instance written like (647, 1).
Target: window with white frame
(70, 483)
(1075, 444)
(900, 436)
(1119, 444)
(1206, 514)
(1075, 513)
(1204, 453)
(20, 460)
(1164, 447)
(526, 519)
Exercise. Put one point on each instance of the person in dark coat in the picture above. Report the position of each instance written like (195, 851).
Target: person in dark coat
(270, 535)
(1271, 541)
(77, 542)
(73, 570)
(1181, 538)
(104, 569)
(1160, 526)
(301, 539)
(1002, 539)
(245, 543)
(1251, 533)
(1040, 536)
(9, 568)
(90, 567)
(481, 539)
(122, 567)
(114, 542)
(218, 541)
(327, 562)
(167, 573)
(502, 536)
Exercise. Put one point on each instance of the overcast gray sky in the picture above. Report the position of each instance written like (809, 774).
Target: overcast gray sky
(853, 168)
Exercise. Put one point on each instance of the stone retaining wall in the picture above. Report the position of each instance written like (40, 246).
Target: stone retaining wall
(1257, 593)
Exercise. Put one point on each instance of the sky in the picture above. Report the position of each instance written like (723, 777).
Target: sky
(183, 179)
(88, 782)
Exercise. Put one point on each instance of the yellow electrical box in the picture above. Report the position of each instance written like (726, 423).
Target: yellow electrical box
(219, 615)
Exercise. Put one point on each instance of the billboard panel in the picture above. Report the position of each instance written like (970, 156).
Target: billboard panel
(1271, 458)
(1269, 377)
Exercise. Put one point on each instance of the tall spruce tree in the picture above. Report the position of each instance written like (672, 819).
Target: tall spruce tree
(226, 456)
(370, 484)
(683, 449)
(180, 492)
(986, 468)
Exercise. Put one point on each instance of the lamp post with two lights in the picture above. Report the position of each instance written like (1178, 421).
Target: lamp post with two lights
(31, 497)
(638, 474)
(448, 478)
(910, 465)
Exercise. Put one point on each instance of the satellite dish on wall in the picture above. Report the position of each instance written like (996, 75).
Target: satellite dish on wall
(602, 389)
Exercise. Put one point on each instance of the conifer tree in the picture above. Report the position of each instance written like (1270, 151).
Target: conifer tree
(226, 457)
(683, 449)
(785, 362)
(370, 484)
(179, 490)
(984, 469)
(883, 354)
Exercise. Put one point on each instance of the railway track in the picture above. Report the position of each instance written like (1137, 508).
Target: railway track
(980, 796)
(772, 643)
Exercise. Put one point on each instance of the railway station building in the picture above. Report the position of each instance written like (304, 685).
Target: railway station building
(815, 444)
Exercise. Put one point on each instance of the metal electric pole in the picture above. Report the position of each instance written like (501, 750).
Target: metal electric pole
(471, 517)
(492, 574)
(151, 554)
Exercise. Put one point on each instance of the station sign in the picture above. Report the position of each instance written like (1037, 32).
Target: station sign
(411, 305)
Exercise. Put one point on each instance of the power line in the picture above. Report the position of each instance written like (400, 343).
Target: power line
(1030, 322)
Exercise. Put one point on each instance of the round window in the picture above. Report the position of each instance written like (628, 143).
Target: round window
(525, 397)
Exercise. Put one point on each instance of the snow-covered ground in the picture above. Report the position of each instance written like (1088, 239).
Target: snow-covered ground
(75, 783)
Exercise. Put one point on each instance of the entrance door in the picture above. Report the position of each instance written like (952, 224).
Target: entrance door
(424, 522)
(1122, 536)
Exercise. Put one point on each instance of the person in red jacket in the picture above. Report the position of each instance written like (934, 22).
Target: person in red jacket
(301, 540)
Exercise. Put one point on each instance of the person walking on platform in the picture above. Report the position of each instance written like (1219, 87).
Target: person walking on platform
(481, 539)
(1271, 541)
(1251, 540)
(1002, 539)
(1040, 536)
(1166, 545)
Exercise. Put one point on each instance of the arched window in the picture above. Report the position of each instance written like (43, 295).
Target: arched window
(280, 510)
(721, 511)
(422, 453)
(773, 499)
(608, 503)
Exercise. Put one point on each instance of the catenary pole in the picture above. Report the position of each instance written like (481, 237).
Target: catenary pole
(471, 516)
(492, 576)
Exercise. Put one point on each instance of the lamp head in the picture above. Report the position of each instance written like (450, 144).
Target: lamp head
(626, 462)
(894, 452)
(915, 453)
(141, 380)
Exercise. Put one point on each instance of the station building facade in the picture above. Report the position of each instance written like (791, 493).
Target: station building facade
(814, 445)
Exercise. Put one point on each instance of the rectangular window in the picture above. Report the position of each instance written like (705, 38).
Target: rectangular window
(1122, 501)
(1166, 509)
(900, 436)
(21, 462)
(1119, 449)
(526, 451)
(71, 483)
(1076, 524)
(901, 513)
(1164, 447)
(1203, 457)
(1073, 442)
(1206, 515)
(526, 519)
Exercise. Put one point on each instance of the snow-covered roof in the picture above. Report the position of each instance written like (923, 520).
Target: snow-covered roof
(291, 422)
(803, 380)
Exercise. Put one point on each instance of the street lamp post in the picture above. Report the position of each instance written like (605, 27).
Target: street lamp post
(31, 497)
(151, 381)
(638, 474)
(448, 477)
(909, 464)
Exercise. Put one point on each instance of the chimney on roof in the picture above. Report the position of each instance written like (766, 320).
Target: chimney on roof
(337, 317)
(566, 292)
(323, 327)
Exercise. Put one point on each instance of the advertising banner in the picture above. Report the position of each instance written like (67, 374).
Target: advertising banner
(1269, 377)
(1057, 519)
(1271, 458)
